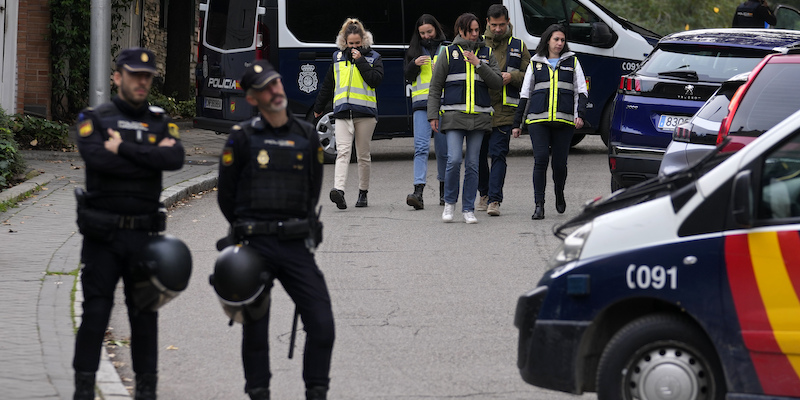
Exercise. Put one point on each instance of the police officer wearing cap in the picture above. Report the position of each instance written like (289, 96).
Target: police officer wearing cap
(125, 144)
(269, 183)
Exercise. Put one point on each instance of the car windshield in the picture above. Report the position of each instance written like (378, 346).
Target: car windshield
(704, 63)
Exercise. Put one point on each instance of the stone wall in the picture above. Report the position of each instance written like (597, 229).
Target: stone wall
(154, 37)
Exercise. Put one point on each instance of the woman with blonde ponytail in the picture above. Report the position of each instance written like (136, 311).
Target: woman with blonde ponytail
(354, 74)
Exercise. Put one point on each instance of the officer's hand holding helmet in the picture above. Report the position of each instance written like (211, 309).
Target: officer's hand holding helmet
(242, 283)
(162, 273)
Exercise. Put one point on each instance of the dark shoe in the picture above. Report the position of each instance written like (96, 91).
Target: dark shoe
(561, 203)
(316, 393)
(145, 387)
(84, 386)
(259, 394)
(538, 213)
(441, 193)
(337, 196)
(362, 198)
(415, 199)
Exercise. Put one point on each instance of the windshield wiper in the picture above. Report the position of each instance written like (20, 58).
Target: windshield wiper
(685, 74)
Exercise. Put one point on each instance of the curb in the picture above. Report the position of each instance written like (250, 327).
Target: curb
(30, 185)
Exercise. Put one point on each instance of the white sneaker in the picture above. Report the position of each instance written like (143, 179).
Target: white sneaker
(469, 217)
(447, 214)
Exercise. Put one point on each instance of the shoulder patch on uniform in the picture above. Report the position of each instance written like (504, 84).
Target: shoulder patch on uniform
(227, 156)
(86, 128)
(173, 130)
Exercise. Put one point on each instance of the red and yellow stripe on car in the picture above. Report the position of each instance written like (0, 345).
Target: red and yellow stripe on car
(764, 275)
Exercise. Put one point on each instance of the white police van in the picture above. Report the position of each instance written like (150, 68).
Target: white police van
(298, 37)
(685, 286)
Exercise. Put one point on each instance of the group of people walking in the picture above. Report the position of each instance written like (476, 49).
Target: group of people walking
(481, 89)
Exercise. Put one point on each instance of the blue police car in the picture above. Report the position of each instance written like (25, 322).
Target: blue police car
(672, 83)
(685, 287)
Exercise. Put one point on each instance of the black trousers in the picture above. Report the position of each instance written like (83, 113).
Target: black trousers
(549, 141)
(294, 266)
(104, 264)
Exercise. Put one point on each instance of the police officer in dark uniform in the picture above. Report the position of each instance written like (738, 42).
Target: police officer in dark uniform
(753, 14)
(269, 183)
(125, 144)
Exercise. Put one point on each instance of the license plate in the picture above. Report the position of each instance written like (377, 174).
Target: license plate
(669, 122)
(213, 103)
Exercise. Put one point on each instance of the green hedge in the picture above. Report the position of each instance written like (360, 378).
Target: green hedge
(11, 162)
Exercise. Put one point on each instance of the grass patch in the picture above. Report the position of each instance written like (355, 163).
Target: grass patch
(12, 203)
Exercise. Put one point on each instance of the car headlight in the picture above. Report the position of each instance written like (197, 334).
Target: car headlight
(570, 250)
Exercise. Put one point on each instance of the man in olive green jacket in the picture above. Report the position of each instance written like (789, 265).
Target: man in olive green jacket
(513, 59)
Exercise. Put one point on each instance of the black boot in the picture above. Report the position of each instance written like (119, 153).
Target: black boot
(145, 387)
(538, 212)
(337, 196)
(415, 199)
(561, 203)
(441, 193)
(316, 393)
(259, 394)
(362, 198)
(84, 386)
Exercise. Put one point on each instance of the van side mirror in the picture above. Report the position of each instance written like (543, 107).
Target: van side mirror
(742, 200)
(601, 35)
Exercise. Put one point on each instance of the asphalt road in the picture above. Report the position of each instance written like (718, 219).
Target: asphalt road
(424, 309)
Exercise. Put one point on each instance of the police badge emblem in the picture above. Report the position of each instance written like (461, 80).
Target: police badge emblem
(307, 81)
(263, 158)
(455, 54)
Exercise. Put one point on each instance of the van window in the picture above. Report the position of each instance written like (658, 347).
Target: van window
(383, 18)
(770, 99)
(540, 14)
(230, 24)
(780, 182)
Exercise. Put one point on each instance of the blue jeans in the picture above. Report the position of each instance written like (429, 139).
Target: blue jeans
(547, 140)
(422, 144)
(494, 145)
(455, 140)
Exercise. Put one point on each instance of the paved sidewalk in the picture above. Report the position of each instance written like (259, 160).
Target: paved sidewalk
(40, 246)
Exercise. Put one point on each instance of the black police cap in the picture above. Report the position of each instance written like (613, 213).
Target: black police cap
(137, 59)
(258, 75)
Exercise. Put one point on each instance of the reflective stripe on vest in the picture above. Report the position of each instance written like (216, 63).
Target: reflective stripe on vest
(513, 63)
(351, 92)
(420, 87)
(464, 90)
(552, 98)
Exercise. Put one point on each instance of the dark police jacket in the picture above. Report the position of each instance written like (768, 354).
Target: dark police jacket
(753, 14)
(270, 174)
(127, 183)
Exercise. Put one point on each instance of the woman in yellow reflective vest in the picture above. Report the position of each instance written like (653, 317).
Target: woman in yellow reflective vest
(552, 103)
(354, 74)
(459, 93)
(420, 59)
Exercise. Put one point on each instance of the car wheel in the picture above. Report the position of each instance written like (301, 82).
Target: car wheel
(660, 356)
(605, 123)
(576, 138)
(327, 137)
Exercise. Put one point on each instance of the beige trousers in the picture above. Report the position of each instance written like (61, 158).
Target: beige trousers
(345, 130)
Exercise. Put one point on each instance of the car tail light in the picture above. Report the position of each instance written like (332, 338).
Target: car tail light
(725, 125)
(612, 163)
(630, 85)
(682, 134)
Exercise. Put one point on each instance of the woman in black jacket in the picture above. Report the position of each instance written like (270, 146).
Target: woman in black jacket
(420, 59)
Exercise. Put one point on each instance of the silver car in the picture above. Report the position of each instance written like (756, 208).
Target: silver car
(694, 139)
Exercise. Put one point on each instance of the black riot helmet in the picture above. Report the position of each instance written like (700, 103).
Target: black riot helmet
(162, 273)
(242, 282)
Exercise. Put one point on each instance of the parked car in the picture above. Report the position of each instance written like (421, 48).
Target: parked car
(771, 94)
(694, 139)
(681, 287)
(671, 84)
